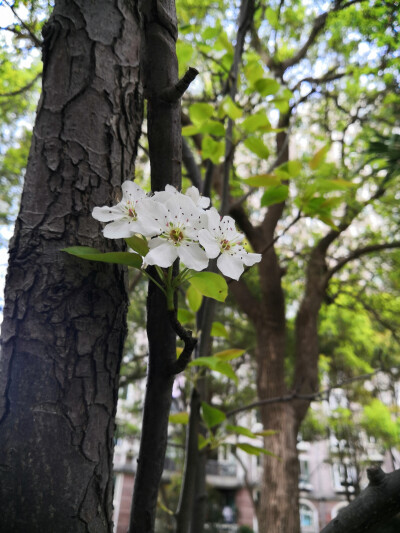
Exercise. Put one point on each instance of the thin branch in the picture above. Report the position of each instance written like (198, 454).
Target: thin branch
(34, 38)
(189, 344)
(316, 396)
(22, 89)
(355, 254)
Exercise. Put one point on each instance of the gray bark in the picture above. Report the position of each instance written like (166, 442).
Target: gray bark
(160, 79)
(64, 319)
(374, 506)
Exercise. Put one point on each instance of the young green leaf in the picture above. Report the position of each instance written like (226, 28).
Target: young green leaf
(202, 441)
(194, 298)
(253, 450)
(200, 112)
(92, 254)
(256, 145)
(211, 415)
(219, 330)
(184, 316)
(257, 122)
(263, 180)
(217, 365)
(229, 107)
(138, 244)
(275, 195)
(240, 430)
(231, 353)
(266, 86)
(210, 284)
(179, 418)
(319, 157)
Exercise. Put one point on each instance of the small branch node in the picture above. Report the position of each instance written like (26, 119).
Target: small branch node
(375, 475)
(175, 92)
(189, 341)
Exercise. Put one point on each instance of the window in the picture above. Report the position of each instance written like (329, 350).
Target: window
(306, 516)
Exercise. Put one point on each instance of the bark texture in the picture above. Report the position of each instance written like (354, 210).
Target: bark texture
(375, 505)
(64, 319)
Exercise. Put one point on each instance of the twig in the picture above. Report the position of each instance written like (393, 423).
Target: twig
(189, 343)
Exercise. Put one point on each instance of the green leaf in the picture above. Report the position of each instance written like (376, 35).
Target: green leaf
(231, 353)
(253, 450)
(256, 145)
(179, 418)
(211, 415)
(294, 168)
(184, 316)
(210, 284)
(266, 86)
(216, 365)
(194, 298)
(210, 32)
(92, 254)
(281, 104)
(257, 122)
(184, 51)
(231, 109)
(240, 430)
(253, 71)
(211, 149)
(219, 330)
(138, 244)
(263, 180)
(212, 127)
(200, 112)
(203, 442)
(319, 157)
(275, 195)
(323, 185)
(187, 131)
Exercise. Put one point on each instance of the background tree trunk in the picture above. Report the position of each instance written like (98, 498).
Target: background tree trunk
(64, 319)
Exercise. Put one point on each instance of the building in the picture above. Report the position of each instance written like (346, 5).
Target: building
(328, 480)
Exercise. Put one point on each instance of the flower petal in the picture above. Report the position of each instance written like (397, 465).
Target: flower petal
(162, 255)
(200, 201)
(121, 229)
(131, 191)
(209, 243)
(230, 266)
(251, 259)
(193, 256)
(107, 214)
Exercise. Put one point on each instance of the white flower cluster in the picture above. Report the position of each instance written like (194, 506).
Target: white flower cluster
(178, 225)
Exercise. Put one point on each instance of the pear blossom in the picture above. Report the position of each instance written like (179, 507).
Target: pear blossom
(193, 193)
(221, 239)
(178, 221)
(123, 218)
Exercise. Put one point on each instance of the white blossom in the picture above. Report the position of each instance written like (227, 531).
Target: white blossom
(179, 221)
(221, 239)
(123, 217)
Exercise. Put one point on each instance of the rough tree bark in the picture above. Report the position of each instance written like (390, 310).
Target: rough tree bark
(64, 319)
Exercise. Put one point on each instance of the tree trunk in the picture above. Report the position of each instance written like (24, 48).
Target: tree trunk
(160, 78)
(278, 509)
(64, 319)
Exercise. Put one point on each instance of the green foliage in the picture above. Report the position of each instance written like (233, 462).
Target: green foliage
(379, 422)
(210, 284)
(92, 254)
